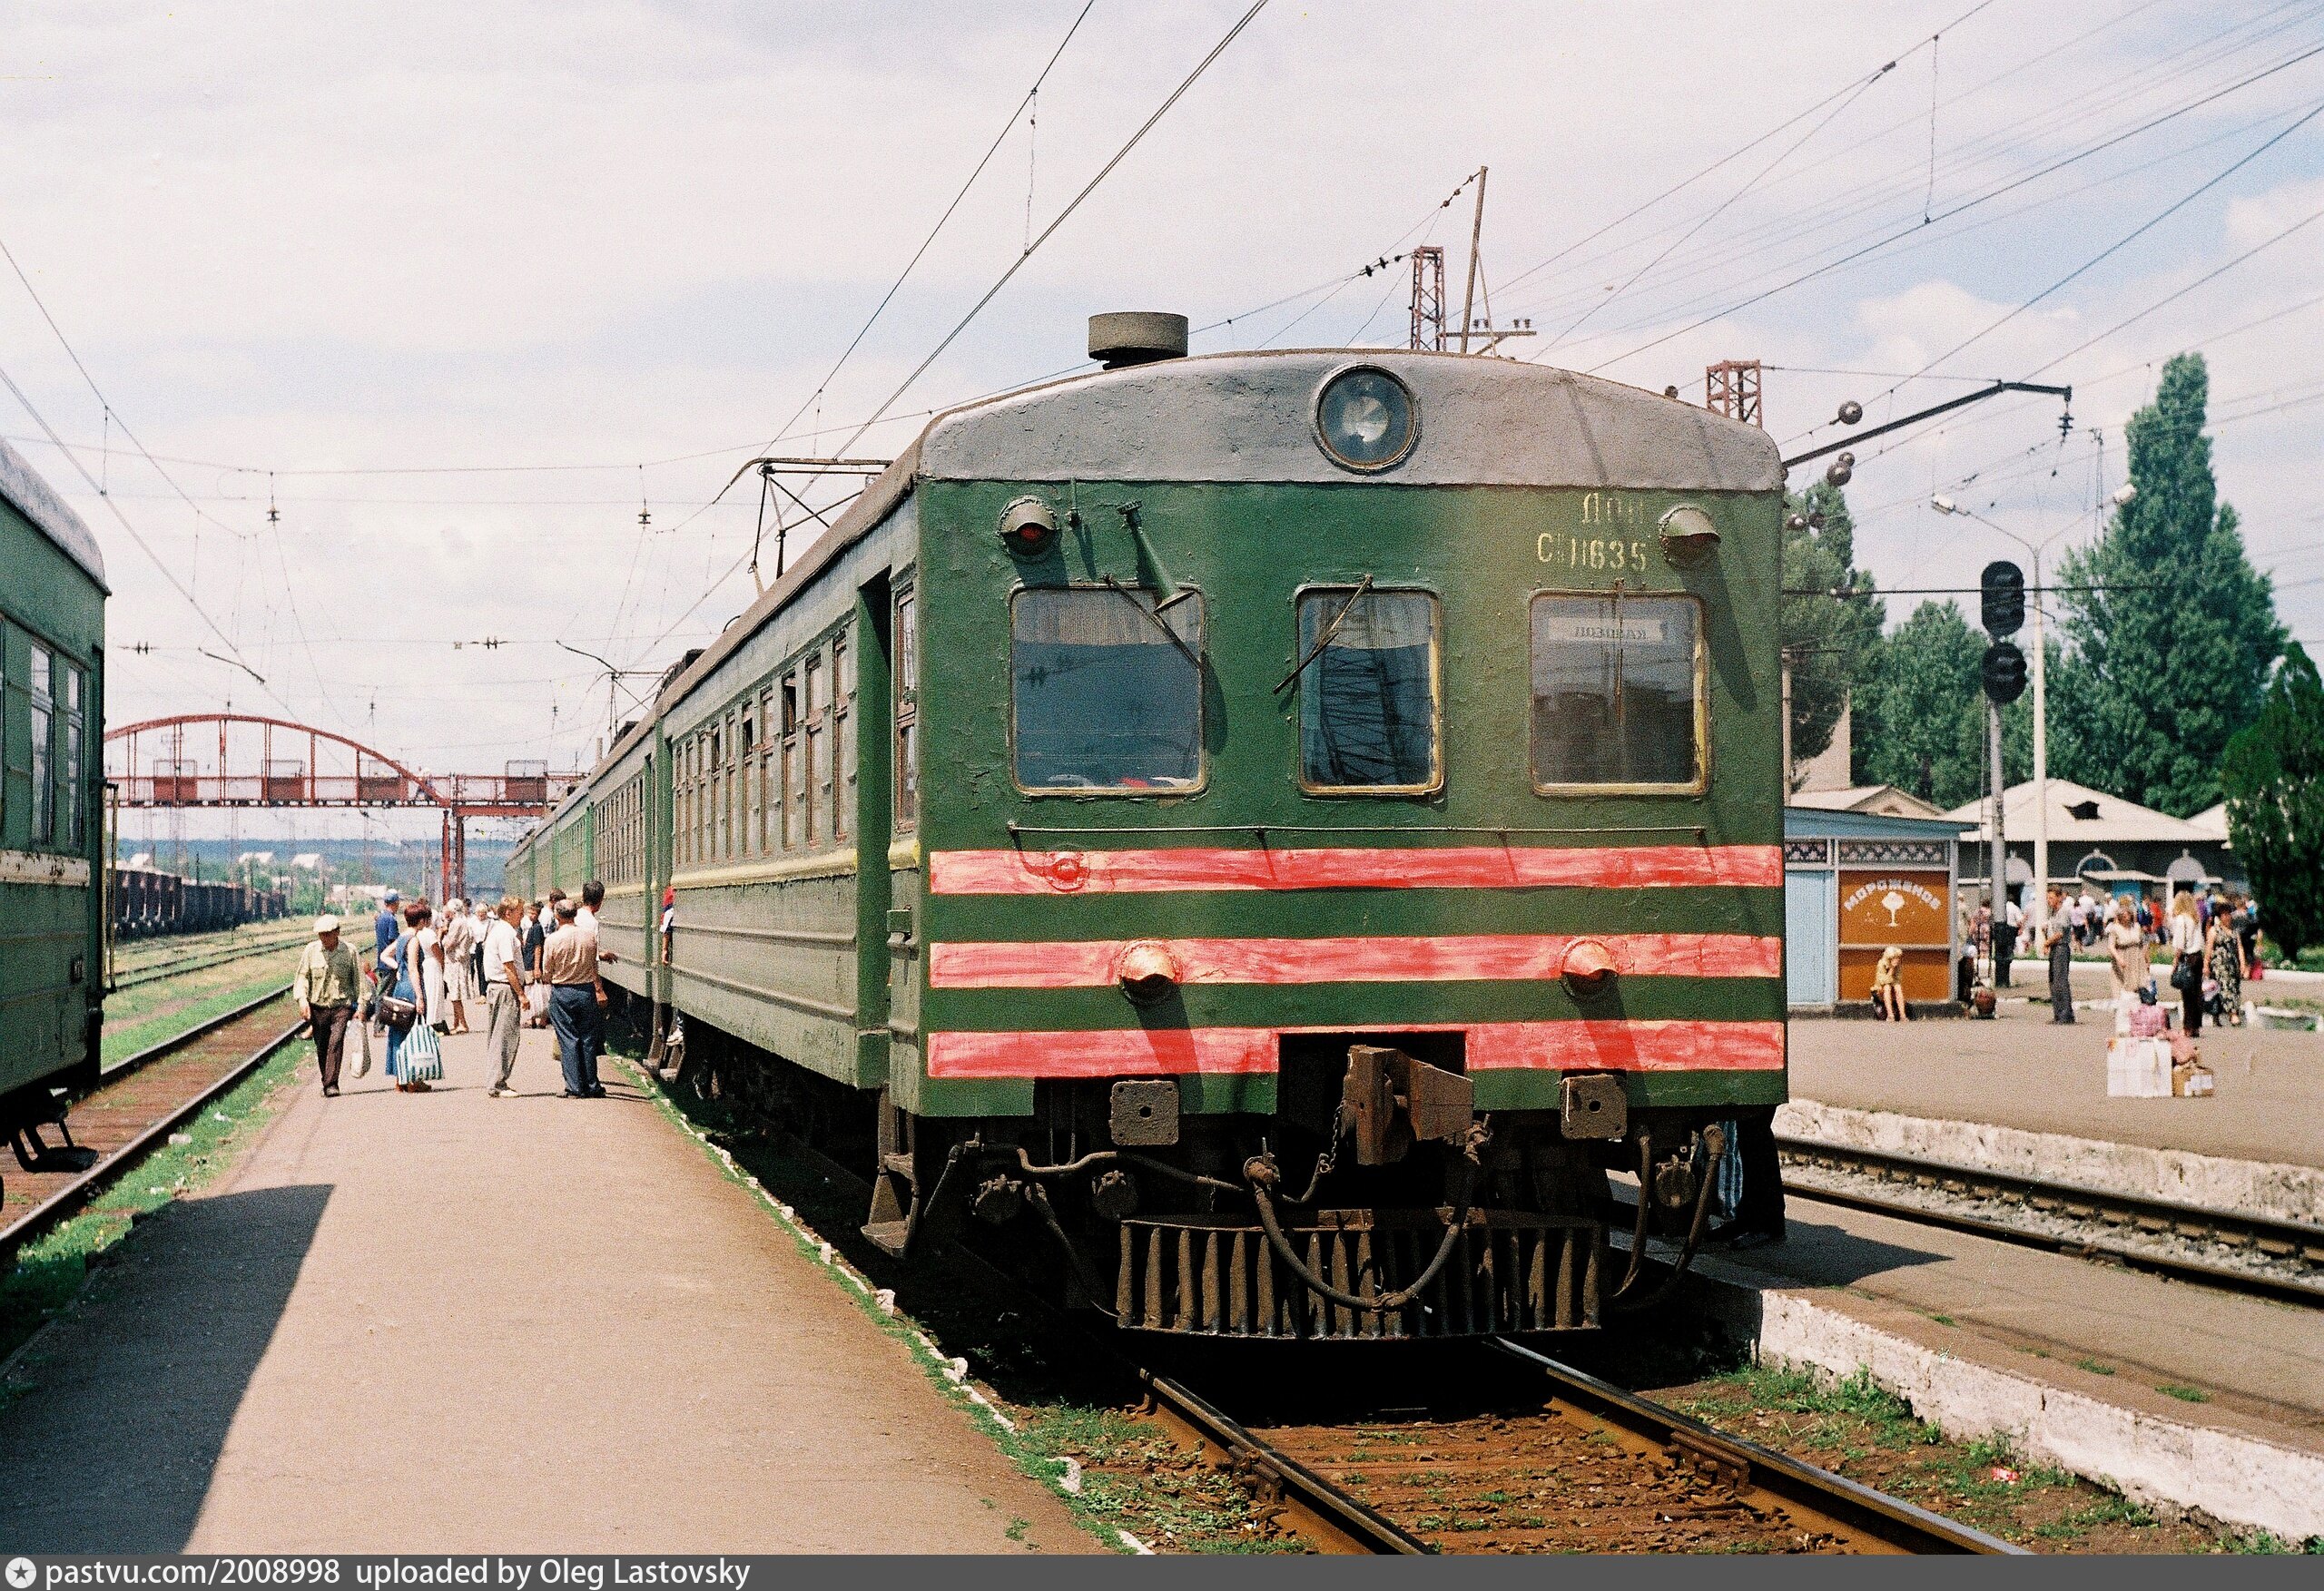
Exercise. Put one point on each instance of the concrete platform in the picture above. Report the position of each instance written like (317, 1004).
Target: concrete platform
(2022, 1071)
(1985, 1335)
(449, 1322)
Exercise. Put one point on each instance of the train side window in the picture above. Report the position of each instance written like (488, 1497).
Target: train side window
(1369, 718)
(75, 795)
(770, 798)
(794, 790)
(1106, 691)
(843, 753)
(907, 712)
(1618, 703)
(43, 738)
(811, 758)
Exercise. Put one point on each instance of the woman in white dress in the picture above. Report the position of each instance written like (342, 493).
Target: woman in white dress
(416, 960)
(452, 951)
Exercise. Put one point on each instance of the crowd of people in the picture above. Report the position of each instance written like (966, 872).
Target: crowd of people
(2211, 937)
(530, 964)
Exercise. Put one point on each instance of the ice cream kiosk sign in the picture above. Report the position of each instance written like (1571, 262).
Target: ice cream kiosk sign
(1909, 909)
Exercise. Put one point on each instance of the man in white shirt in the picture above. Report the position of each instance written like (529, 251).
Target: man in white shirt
(503, 972)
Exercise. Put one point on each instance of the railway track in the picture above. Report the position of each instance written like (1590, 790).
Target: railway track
(2283, 1260)
(1681, 1484)
(139, 1104)
(130, 978)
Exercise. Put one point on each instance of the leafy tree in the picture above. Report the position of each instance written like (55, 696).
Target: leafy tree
(2274, 777)
(1920, 711)
(2167, 657)
(1827, 639)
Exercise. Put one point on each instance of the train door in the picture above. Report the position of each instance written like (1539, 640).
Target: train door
(871, 730)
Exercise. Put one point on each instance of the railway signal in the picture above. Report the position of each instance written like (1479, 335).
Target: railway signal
(2003, 673)
(2002, 600)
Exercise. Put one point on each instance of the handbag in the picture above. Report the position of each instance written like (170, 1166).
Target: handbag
(421, 1059)
(2186, 976)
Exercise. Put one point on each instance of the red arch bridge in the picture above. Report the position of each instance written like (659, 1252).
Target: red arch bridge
(236, 759)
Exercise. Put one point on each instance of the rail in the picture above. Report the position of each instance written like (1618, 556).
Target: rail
(139, 975)
(2288, 1241)
(1864, 1518)
(44, 1216)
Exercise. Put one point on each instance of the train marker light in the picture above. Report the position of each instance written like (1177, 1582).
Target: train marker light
(1588, 968)
(1147, 972)
(1365, 419)
(1688, 535)
(1026, 526)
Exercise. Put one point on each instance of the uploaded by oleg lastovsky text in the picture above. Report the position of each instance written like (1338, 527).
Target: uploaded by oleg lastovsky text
(517, 1574)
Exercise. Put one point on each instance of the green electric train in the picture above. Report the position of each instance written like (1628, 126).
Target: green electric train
(1268, 832)
(51, 841)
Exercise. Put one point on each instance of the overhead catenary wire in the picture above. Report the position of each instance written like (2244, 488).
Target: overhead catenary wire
(1009, 275)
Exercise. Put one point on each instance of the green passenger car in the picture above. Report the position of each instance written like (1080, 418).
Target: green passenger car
(1267, 831)
(52, 845)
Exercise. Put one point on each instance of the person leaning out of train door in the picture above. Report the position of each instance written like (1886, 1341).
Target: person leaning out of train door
(2057, 944)
(569, 963)
(504, 1000)
(328, 986)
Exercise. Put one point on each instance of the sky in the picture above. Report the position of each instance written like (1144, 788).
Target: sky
(462, 292)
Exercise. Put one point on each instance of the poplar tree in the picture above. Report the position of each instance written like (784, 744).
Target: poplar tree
(2166, 657)
(1829, 639)
(2274, 777)
(1920, 711)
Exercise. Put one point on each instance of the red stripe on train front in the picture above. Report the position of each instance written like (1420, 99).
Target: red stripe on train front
(1385, 958)
(1477, 867)
(1580, 1047)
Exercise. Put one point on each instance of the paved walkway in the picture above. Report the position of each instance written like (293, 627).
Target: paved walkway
(447, 1322)
(2045, 1316)
(2021, 1071)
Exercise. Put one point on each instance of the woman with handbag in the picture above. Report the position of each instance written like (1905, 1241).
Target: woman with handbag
(2187, 962)
(414, 1058)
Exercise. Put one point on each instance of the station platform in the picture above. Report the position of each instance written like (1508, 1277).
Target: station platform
(2177, 1393)
(2020, 1070)
(453, 1323)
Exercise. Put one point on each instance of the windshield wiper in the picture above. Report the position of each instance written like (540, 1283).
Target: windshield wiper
(1129, 596)
(1330, 630)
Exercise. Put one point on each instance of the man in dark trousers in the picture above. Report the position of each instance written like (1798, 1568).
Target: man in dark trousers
(328, 986)
(1758, 1213)
(386, 929)
(2059, 945)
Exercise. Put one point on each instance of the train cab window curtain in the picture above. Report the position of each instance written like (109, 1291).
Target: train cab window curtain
(1617, 692)
(1106, 691)
(1368, 714)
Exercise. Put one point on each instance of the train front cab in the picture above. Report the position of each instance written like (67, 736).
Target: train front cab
(1346, 852)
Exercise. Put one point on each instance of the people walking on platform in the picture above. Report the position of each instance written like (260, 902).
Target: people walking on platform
(419, 982)
(1888, 985)
(2057, 943)
(386, 929)
(2224, 956)
(569, 963)
(2008, 917)
(479, 925)
(503, 1001)
(328, 986)
(2126, 951)
(2187, 963)
(452, 944)
(538, 925)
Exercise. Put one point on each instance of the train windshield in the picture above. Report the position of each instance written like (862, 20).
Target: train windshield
(1367, 701)
(1106, 691)
(1617, 692)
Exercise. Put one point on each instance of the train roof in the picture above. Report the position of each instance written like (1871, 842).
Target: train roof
(24, 491)
(1482, 422)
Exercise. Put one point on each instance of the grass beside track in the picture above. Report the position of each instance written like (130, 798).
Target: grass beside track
(1860, 1429)
(138, 1018)
(50, 1273)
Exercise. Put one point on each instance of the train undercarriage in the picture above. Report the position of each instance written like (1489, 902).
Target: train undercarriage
(1374, 1202)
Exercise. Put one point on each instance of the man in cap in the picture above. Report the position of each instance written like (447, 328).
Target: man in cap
(327, 987)
(386, 929)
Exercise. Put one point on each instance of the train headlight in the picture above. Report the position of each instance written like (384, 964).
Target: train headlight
(1365, 419)
(1026, 526)
(1687, 533)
